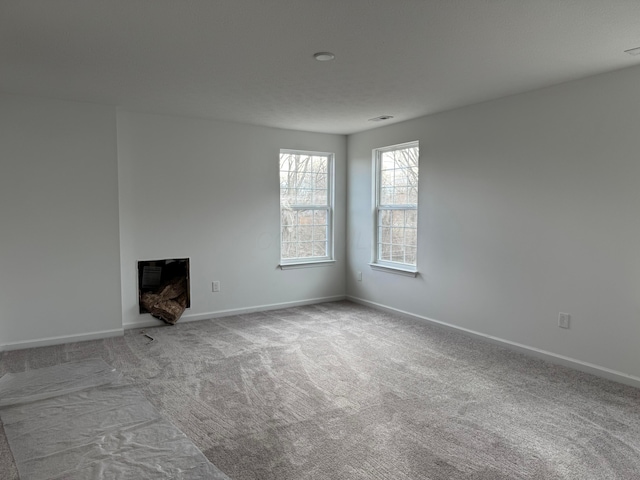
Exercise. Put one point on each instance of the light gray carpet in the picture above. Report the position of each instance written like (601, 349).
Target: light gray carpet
(340, 391)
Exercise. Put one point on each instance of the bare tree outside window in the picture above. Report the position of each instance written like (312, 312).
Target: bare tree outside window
(397, 205)
(305, 205)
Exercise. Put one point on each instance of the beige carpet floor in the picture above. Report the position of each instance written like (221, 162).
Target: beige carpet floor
(341, 391)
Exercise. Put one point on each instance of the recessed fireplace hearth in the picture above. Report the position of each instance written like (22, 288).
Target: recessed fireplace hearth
(163, 288)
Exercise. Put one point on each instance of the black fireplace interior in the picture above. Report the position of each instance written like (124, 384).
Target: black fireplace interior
(154, 275)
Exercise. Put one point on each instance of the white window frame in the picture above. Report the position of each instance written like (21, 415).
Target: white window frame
(377, 263)
(328, 259)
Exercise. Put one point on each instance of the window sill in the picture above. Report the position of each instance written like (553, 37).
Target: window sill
(407, 272)
(317, 263)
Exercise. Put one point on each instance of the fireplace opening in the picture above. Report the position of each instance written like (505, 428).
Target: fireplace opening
(163, 288)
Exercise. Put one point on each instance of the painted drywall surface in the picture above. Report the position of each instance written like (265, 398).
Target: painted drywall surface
(59, 245)
(209, 191)
(528, 207)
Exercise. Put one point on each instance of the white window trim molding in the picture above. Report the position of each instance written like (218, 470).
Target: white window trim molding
(399, 270)
(300, 262)
(313, 263)
(375, 264)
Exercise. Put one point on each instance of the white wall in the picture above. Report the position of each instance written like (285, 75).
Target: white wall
(529, 206)
(209, 191)
(59, 246)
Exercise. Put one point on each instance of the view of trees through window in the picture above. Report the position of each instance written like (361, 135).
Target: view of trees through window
(305, 205)
(397, 204)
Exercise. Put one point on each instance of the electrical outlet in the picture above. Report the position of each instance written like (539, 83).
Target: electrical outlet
(359, 276)
(215, 286)
(563, 320)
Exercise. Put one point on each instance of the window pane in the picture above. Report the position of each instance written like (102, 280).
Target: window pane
(412, 195)
(321, 180)
(320, 164)
(305, 217)
(289, 234)
(319, 233)
(386, 178)
(284, 179)
(397, 236)
(305, 233)
(319, 249)
(285, 162)
(410, 255)
(388, 163)
(288, 217)
(411, 236)
(385, 235)
(397, 253)
(319, 197)
(304, 196)
(320, 217)
(412, 177)
(411, 218)
(289, 250)
(305, 249)
(397, 217)
(386, 195)
(304, 180)
(385, 251)
(301, 162)
(385, 217)
(400, 196)
(400, 178)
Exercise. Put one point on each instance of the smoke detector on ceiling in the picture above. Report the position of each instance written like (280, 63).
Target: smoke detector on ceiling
(381, 118)
(324, 56)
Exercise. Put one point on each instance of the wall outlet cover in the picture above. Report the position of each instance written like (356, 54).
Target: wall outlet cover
(563, 320)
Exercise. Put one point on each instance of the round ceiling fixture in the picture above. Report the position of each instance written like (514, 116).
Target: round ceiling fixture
(324, 56)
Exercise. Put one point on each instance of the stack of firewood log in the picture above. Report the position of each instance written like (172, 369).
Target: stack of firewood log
(169, 302)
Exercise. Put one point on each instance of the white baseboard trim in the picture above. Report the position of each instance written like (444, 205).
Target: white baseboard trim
(146, 320)
(555, 358)
(48, 341)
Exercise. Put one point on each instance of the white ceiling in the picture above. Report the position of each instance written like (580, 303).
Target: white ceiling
(252, 61)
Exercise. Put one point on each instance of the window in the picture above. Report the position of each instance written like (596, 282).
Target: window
(396, 207)
(306, 202)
